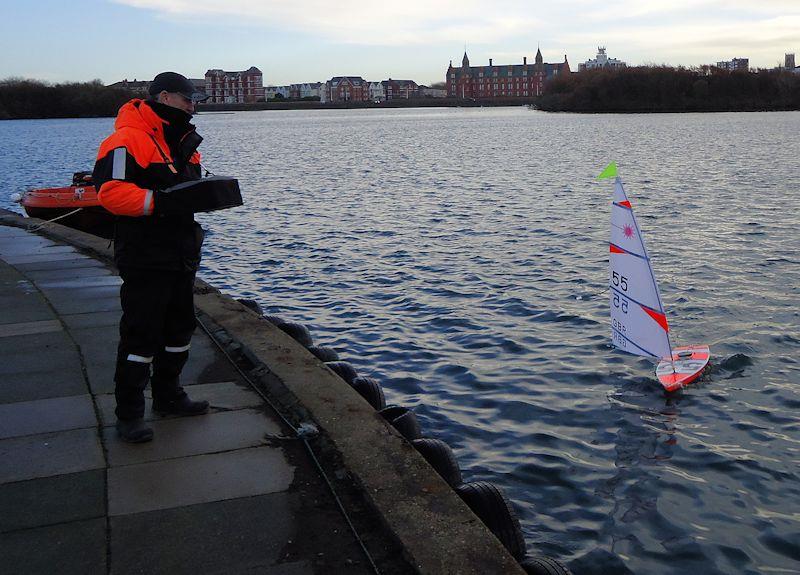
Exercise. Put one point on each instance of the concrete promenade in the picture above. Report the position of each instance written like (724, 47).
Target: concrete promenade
(211, 494)
(232, 491)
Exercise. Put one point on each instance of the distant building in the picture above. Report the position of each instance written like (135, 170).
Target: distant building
(346, 89)
(280, 92)
(601, 61)
(377, 93)
(400, 89)
(234, 87)
(788, 60)
(503, 81)
(736, 64)
(426, 92)
(309, 89)
(138, 87)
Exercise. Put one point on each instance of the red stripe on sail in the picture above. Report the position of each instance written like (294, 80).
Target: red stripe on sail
(660, 318)
(626, 203)
(615, 250)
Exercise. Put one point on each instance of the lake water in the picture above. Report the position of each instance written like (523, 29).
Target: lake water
(460, 257)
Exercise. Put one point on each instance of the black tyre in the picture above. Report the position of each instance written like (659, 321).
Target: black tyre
(439, 455)
(492, 507)
(298, 332)
(403, 420)
(324, 353)
(544, 566)
(344, 370)
(275, 320)
(370, 390)
(252, 304)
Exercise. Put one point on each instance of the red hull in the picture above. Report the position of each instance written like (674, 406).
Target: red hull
(50, 203)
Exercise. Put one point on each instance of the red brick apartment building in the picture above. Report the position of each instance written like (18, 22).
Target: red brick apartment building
(502, 81)
(346, 88)
(234, 87)
(395, 89)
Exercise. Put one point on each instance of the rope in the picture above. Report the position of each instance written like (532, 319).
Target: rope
(44, 223)
(302, 433)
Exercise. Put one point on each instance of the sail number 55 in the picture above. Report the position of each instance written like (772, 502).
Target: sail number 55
(619, 281)
(620, 302)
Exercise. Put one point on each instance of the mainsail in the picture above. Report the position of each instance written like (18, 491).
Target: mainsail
(638, 322)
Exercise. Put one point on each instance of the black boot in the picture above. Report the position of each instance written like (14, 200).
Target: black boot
(134, 430)
(181, 406)
(168, 395)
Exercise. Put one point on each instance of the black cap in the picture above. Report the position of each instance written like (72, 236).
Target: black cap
(174, 82)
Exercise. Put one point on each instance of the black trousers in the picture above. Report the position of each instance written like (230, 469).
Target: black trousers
(155, 332)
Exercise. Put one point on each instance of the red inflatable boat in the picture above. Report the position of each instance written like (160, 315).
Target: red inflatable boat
(76, 206)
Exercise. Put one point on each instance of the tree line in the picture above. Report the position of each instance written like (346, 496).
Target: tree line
(667, 89)
(25, 99)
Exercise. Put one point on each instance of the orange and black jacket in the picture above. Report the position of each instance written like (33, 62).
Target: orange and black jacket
(153, 147)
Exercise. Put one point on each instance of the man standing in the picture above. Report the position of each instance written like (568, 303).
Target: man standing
(157, 251)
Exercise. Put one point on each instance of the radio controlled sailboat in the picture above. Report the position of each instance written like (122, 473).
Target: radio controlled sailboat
(638, 320)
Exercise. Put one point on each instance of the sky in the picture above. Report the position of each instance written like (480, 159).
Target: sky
(293, 41)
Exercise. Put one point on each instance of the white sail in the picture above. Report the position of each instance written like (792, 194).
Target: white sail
(638, 322)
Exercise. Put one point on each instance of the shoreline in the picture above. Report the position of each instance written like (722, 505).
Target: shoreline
(421, 104)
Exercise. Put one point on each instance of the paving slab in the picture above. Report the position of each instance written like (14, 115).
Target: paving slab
(22, 362)
(85, 305)
(65, 264)
(206, 363)
(70, 283)
(57, 381)
(51, 500)
(13, 231)
(68, 273)
(21, 308)
(198, 479)
(181, 437)
(223, 396)
(92, 319)
(236, 536)
(88, 292)
(46, 416)
(29, 328)
(40, 257)
(76, 548)
(50, 454)
(35, 245)
(42, 343)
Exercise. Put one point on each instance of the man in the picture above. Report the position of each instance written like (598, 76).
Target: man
(156, 249)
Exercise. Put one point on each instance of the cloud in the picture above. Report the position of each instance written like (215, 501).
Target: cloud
(704, 40)
(693, 31)
(359, 22)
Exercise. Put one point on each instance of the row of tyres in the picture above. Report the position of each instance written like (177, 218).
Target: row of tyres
(483, 498)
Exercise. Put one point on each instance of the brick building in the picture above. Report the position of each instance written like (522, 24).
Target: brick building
(397, 89)
(504, 80)
(346, 88)
(234, 87)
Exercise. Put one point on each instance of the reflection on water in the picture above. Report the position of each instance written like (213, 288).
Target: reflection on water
(459, 256)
